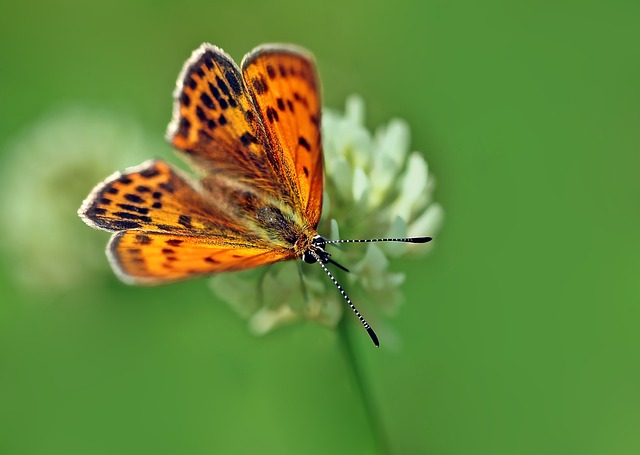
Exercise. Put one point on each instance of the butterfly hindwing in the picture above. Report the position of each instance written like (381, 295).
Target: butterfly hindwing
(157, 258)
(284, 84)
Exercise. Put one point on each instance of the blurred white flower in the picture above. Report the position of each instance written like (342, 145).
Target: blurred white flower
(374, 187)
(46, 173)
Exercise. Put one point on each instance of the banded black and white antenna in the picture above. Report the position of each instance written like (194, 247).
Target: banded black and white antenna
(366, 325)
(318, 254)
(401, 239)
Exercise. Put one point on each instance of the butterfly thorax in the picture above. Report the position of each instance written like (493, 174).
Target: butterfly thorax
(274, 222)
(279, 226)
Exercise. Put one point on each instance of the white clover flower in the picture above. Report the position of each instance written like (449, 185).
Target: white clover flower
(46, 172)
(374, 188)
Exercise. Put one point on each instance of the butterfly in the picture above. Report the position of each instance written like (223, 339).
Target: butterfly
(252, 133)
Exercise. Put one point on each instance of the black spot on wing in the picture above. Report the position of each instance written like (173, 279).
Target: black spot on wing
(149, 173)
(223, 86)
(143, 239)
(272, 114)
(134, 208)
(233, 81)
(185, 99)
(207, 59)
(201, 115)
(168, 187)
(218, 96)
(124, 224)
(134, 198)
(183, 127)
(248, 138)
(185, 221)
(259, 85)
(207, 101)
(304, 143)
(271, 72)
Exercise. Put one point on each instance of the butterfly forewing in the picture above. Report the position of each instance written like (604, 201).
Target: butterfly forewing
(285, 87)
(215, 122)
(153, 197)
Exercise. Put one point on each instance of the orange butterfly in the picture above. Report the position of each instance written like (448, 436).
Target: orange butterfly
(254, 134)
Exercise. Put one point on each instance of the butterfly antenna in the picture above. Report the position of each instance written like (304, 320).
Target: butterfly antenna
(366, 325)
(402, 239)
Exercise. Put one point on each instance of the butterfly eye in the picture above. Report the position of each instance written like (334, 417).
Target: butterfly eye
(319, 241)
(309, 258)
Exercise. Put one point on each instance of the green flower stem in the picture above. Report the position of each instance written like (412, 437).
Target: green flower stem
(360, 382)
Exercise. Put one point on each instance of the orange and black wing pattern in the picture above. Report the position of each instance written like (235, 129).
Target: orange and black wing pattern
(283, 82)
(150, 258)
(254, 136)
(216, 125)
(170, 229)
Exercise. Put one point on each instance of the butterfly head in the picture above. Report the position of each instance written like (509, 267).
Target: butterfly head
(316, 251)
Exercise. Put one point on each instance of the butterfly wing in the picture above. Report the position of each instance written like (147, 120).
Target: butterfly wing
(215, 124)
(170, 229)
(159, 258)
(284, 85)
(153, 197)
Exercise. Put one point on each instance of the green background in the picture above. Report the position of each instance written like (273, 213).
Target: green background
(519, 335)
